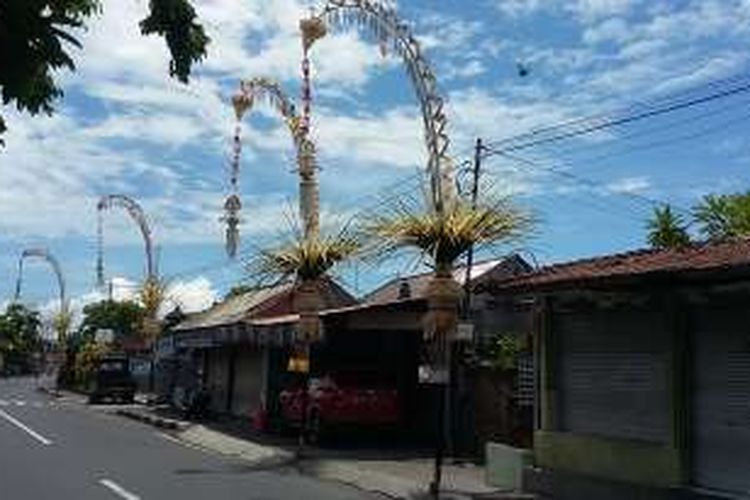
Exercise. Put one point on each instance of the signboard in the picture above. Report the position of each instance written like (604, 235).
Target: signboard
(299, 363)
(465, 332)
(165, 347)
(433, 375)
(299, 359)
(105, 335)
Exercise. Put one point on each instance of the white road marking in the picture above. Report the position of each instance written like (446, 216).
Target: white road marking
(25, 428)
(118, 490)
(19, 402)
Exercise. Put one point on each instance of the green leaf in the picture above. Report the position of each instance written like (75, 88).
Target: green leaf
(175, 20)
(667, 229)
(723, 217)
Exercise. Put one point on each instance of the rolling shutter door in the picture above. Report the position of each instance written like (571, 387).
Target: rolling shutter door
(721, 399)
(248, 382)
(613, 374)
(218, 378)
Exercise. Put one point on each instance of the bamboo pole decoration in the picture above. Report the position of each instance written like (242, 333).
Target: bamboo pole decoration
(309, 200)
(312, 29)
(379, 19)
(309, 190)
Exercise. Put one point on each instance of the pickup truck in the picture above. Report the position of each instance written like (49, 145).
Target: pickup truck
(341, 401)
(113, 381)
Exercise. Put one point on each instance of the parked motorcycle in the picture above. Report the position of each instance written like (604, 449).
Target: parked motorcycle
(195, 404)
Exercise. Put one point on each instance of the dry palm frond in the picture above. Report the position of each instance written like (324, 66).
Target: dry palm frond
(305, 259)
(61, 324)
(444, 237)
(152, 295)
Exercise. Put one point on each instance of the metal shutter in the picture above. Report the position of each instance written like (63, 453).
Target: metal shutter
(721, 399)
(248, 382)
(218, 378)
(613, 373)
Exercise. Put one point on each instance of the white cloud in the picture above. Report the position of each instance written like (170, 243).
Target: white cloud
(589, 10)
(122, 289)
(191, 296)
(141, 108)
(584, 10)
(516, 8)
(613, 29)
(470, 69)
(630, 185)
(476, 112)
(392, 138)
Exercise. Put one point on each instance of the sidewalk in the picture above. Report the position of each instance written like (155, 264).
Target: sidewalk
(397, 474)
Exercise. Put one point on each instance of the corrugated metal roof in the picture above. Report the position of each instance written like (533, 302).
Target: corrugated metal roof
(275, 320)
(232, 310)
(269, 305)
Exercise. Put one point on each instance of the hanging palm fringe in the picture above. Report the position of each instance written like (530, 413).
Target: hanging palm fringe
(250, 91)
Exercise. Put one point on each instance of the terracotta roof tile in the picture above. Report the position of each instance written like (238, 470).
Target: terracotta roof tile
(701, 257)
(389, 292)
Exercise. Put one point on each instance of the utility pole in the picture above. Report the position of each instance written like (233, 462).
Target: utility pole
(453, 388)
(110, 290)
(470, 255)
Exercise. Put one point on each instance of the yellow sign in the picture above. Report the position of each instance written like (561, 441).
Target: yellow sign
(299, 364)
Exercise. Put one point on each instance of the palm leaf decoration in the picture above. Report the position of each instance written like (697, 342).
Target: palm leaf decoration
(152, 294)
(305, 259)
(61, 324)
(442, 238)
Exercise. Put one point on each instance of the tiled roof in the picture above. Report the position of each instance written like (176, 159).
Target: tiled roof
(641, 263)
(389, 292)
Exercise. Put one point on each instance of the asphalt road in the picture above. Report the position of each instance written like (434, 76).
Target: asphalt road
(58, 449)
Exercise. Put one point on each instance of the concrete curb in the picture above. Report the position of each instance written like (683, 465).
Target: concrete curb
(55, 393)
(154, 420)
(260, 457)
(255, 455)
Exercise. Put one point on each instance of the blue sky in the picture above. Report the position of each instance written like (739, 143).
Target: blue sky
(125, 127)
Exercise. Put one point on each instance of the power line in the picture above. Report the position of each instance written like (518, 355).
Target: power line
(598, 118)
(588, 182)
(610, 123)
(654, 144)
(626, 109)
(651, 131)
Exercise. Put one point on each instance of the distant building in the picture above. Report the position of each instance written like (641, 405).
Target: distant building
(240, 348)
(236, 348)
